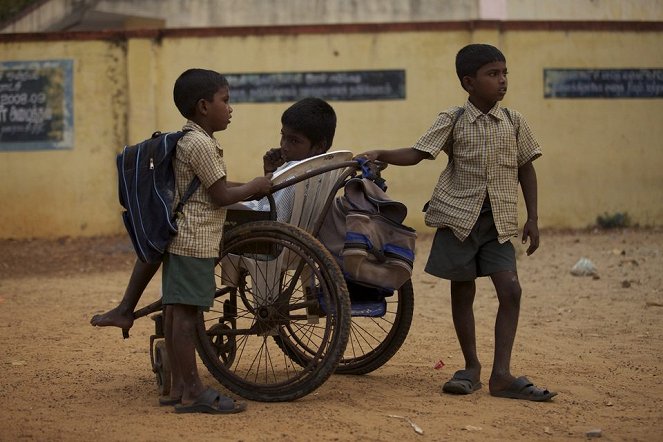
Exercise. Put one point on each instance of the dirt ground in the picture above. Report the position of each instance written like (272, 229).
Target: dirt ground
(597, 341)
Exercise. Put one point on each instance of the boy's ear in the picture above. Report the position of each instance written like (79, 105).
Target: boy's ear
(468, 83)
(201, 106)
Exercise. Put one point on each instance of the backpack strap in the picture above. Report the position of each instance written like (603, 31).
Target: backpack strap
(193, 186)
(450, 140)
(508, 114)
(190, 190)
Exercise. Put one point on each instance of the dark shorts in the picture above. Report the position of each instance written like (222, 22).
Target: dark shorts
(479, 255)
(187, 280)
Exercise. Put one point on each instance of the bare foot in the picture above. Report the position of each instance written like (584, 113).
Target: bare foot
(113, 318)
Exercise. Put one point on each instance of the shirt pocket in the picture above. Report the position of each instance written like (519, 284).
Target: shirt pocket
(507, 151)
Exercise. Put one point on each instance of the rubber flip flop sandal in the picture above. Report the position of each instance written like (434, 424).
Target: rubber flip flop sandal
(523, 389)
(211, 402)
(461, 383)
(165, 400)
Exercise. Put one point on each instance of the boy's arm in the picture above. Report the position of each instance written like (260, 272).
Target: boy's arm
(405, 156)
(527, 178)
(224, 193)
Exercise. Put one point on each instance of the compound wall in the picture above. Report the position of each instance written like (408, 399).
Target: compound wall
(601, 155)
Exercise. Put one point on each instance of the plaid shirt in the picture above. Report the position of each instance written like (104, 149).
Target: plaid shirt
(486, 151)
(200, 226)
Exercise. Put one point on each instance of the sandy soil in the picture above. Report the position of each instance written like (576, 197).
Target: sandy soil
(597, 341)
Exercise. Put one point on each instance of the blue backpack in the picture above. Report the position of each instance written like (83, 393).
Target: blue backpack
(147, 193)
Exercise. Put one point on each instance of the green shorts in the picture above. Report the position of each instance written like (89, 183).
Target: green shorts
(187, 280)
(479, 255)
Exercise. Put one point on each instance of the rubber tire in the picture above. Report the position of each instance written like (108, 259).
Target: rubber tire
(385, 350)
(315, 372)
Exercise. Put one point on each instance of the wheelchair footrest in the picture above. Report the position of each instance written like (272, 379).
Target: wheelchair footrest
(371, 305)
(367, 301)
(371, 309)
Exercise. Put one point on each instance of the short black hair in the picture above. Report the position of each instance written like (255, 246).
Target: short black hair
(194, 85)
(470, 59)
(313, 117)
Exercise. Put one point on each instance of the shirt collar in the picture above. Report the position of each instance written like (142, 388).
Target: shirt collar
(190, 125)
(473, 112)
(194, 127)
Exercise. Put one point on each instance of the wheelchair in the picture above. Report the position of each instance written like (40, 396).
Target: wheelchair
(283, 319)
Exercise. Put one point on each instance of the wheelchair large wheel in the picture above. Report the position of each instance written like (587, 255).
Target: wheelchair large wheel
(374, 340)
(276, 284)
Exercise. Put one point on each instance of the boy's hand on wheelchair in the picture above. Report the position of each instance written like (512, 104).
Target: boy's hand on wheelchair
(262, 186)
(272, 160)
(370, 155)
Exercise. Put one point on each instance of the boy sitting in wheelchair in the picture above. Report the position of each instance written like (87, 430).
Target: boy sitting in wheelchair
(307, 130)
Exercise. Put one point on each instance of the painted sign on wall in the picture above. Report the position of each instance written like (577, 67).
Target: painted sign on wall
(603, 83)
(36, 105)
(332, 86)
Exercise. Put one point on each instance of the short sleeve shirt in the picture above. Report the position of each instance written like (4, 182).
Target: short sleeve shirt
(200, 225)
(485, 152)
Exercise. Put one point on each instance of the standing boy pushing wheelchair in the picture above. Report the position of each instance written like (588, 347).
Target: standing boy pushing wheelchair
(202, 97)
(308, 128)
(474, 208)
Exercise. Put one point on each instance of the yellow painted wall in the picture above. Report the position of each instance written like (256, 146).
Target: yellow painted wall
(600, 155)
(50, 193)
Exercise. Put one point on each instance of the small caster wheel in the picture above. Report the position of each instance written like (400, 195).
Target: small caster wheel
(161, 368)
(225, 344)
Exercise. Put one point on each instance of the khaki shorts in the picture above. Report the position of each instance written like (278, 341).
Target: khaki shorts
(187, 280)
(479, 255)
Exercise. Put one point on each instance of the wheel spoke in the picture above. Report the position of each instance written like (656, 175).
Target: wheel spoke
(278, 353)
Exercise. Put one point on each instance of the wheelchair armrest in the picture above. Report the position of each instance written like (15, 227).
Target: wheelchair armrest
(238, 214)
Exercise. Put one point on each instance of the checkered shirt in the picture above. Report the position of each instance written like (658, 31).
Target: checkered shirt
(200, 226)
(486, 151)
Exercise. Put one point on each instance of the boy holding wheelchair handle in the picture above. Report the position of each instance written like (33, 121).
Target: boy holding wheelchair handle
(202, 97)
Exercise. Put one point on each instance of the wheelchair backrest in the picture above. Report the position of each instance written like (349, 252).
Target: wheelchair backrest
(314, 195)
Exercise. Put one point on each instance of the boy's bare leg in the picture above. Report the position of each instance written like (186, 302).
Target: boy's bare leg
(183, 354)
(508, 291)
(502, 382)
(462, 301)
(176, 383)
(123, 315)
